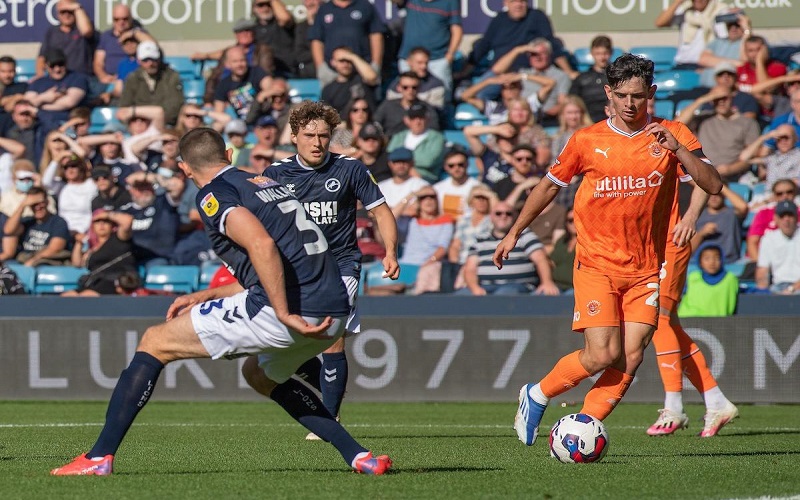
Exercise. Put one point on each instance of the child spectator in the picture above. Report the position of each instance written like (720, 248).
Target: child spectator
(711, 290)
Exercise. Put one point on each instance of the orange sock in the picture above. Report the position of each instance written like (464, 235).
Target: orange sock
(606, 393)
(567, 373)
(668, 354)
(694, 363)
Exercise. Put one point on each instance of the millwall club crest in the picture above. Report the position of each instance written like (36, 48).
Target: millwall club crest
(656, 150)
(262, 181)
(333, 185)
(210, 204)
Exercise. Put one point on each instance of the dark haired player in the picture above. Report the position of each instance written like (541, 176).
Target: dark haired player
(290, 306)
(622, 212)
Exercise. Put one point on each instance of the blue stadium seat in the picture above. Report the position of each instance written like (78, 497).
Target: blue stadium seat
(180, 279)
(472, 168)
(682, 105)
(207, 271)
(737, 268)
(665, 109)
(671, 81)
(57, 279)
(749, 219)
(301, 89)
(662, 55)
(759, 189)
(742, 190)
(26, 68)
(102, 116)
(193, 90)
(467, 114)
(185, 67)
(551, 131)
(584, 59)
(373, 275)
(453, 137)
(26, 275)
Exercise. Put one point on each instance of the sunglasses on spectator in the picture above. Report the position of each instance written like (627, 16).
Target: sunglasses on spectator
(524, 158)
(409, 87)
(426, 196)
(458, 164)
(40, 205)
(57, 65)
(501, 214)
(356, 110)
(260, 158)
(784, 193)
(149, 60)
(261, 5)
(570, 220)
(281, 96)
(122, 19)
(782, 138)
(537, 54)
(480, 197)
(66, 12)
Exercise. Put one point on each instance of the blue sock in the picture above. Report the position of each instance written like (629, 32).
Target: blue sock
(133, 390)
(304, 406)
(309, 372)
(333, 380)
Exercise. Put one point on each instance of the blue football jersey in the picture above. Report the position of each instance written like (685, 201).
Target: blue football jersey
(330, 194)
(313, 284)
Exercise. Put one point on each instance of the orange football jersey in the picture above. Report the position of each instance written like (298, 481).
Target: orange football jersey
(625, 203)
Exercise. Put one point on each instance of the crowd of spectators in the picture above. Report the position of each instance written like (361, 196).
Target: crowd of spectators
(74, 197)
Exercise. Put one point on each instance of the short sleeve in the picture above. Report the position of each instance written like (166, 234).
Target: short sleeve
(215, 202)
(568, 163)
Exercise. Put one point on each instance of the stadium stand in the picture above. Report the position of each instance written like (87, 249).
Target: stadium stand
(178, 279)
(57, 279)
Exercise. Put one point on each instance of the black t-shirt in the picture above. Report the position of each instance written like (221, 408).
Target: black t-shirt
(241, 94)
(380, 169)
(112, 203)
(338, 94)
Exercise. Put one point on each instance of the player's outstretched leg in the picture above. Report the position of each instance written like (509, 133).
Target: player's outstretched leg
(719, 410)
(304, 406)
(332, 380)
(133, 391)
(567, 373)
(668, 356)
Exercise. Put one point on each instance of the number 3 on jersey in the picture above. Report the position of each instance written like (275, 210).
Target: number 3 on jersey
(303, 224)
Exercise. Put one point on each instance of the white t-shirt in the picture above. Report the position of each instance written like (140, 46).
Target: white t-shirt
(75, 204)
(453, 197)
(394, 191)
(6, 179)
(781, 255)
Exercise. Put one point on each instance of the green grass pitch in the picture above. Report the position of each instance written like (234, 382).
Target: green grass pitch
(447, 450)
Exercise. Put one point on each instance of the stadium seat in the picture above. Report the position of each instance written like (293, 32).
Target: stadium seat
(467, 114)
(736, 268)
(584, 59)
(193, 90)
(759, 189)
(742, 190)
(185, 67)
(26, 275)
(102, 116)
(551, 131)
(373, 275)
(671, 81)
(665, 109)
(57, 279)
(455, 137)
(662, 55)
(180, 279)
(207, 271)
(749, 219)
(26, 68)
(301, 89)
(681, 106)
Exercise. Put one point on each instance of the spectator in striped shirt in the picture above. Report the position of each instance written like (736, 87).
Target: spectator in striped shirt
(527, 269)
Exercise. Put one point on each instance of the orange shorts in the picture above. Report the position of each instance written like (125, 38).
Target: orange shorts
(673, 275)
(602, 300)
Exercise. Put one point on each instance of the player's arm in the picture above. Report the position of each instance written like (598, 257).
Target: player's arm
(387, 227)
(541, 196)
(686, 228)
(246, 230)
(704, 174)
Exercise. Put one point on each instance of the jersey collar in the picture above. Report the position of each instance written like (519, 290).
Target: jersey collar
(307, 167)
(626, 134)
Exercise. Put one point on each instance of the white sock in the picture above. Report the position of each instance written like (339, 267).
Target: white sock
(715, 399)
(358, 457)
(673, 401)
(537, 395)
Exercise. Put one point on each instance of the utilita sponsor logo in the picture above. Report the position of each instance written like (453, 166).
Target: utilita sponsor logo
(628, 182)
